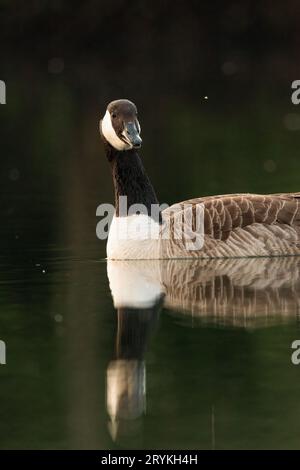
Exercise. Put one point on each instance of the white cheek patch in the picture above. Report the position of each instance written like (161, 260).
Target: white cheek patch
(110, 135)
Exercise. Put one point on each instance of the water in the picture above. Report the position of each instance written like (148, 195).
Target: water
(207, 365)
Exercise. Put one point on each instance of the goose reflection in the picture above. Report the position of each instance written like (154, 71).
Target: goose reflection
(229, 292)
(235, 292)
(138, 300)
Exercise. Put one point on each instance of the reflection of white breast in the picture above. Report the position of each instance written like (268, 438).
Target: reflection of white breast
(133, 237)
(236, 291)
(134, 284)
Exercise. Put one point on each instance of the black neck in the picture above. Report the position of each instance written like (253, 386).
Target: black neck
(135, 326)
(130, 179)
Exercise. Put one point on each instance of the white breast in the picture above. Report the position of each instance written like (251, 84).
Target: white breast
(133, 237)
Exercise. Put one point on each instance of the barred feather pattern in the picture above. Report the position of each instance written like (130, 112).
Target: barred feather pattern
(239, 225)
(240, 292)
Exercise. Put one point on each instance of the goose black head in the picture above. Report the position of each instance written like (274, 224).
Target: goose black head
(120, 126)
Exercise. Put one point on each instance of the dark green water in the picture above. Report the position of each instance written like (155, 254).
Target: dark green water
(209, 369)
(210, 382)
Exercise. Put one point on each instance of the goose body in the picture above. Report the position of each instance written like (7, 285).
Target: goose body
(232, 225)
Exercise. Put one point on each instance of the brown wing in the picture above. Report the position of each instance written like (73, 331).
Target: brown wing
(224, 213)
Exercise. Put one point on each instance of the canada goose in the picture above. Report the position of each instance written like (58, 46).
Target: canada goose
(232, 225)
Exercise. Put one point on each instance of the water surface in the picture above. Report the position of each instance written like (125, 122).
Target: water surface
(205, 363)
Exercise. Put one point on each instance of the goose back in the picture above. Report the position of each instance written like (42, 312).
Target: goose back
(239, 225)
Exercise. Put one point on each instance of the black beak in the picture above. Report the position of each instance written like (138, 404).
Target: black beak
(131, 134)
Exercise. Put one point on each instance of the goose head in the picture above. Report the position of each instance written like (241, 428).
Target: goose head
(120, 126)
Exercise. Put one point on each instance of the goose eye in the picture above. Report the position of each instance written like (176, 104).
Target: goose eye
(113, 115)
